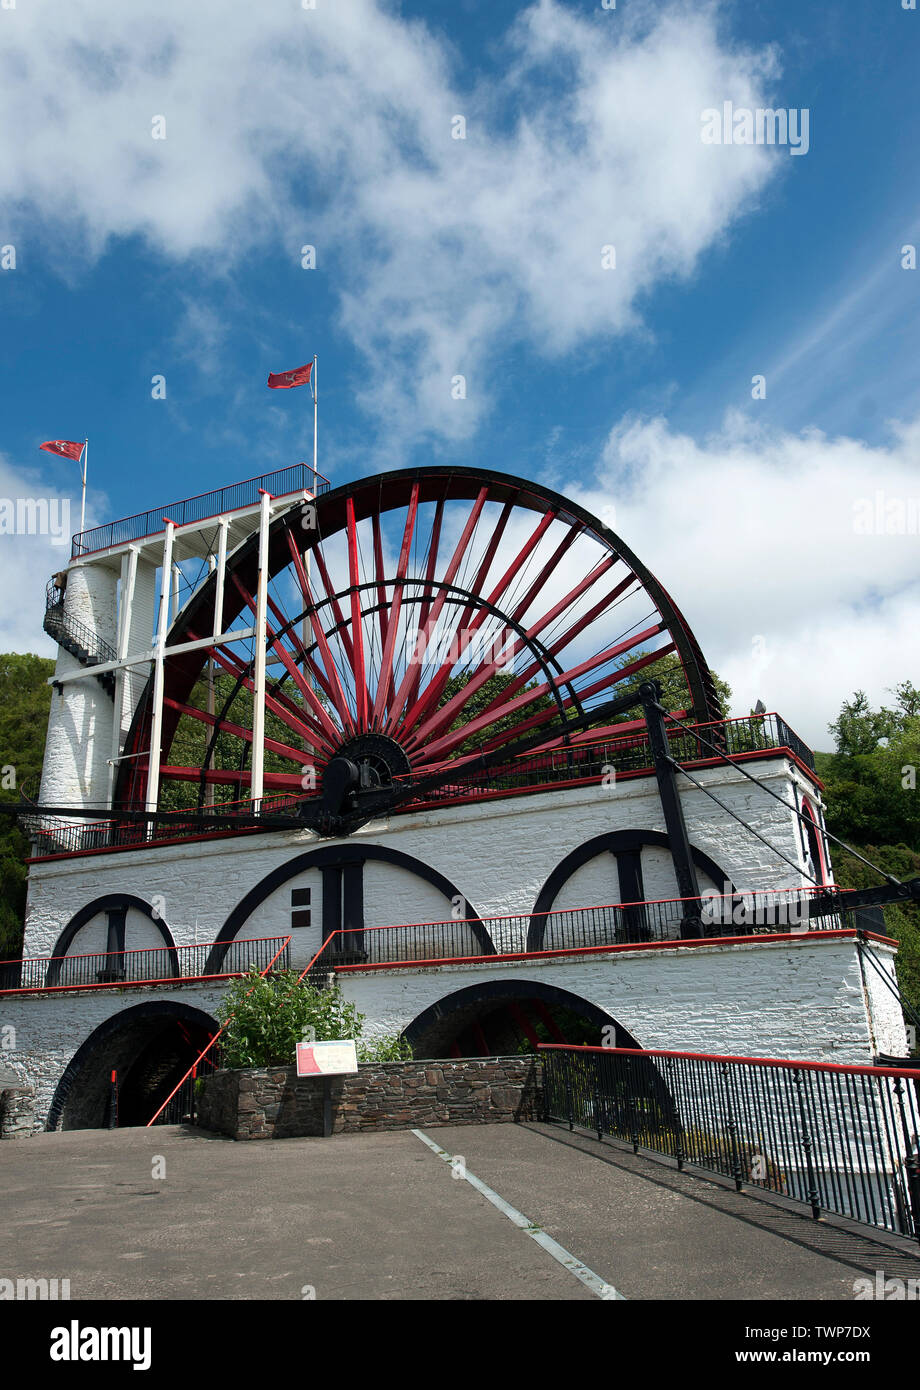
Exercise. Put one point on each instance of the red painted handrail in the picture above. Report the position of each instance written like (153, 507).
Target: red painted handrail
(206, 1050)
(778, 1062)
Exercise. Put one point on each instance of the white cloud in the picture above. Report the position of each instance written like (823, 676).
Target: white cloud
(754, 534)
(333, 126)
(37, 519)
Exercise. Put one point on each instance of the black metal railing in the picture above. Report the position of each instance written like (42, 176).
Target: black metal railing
(837, 1139)
(761, 733)
(182, 1105)
(144, 966)
(69, 632)
(81, 837)
(298, 477)
(750, 914)
(688, 744)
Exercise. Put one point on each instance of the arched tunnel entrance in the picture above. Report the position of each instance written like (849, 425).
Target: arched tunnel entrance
(149, 1047)
(504, 1017)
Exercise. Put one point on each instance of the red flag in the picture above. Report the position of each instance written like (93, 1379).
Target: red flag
(282, 381)
(65, 448)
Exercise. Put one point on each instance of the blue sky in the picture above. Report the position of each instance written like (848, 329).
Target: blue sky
(629, 388)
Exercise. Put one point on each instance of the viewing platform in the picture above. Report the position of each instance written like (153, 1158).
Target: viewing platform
(238, 501)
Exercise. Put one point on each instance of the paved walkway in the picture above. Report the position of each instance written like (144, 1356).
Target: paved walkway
(384, 1217)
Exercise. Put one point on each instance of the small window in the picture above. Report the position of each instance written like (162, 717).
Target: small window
(300, 899)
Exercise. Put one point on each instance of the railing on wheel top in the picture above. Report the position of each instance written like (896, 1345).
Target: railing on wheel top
(296, 478)
(82, 837)
(839, 1139)
(147, 965)
(688, 743)
(558, 766)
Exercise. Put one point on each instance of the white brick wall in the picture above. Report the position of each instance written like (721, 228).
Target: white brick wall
(803, 999)
(497, 853)
(75, 771)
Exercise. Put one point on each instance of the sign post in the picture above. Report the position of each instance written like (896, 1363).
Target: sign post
(327, 1059)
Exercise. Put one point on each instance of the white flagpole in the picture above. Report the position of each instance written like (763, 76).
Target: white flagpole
(83, 502)
(315, 418)
(307, 743)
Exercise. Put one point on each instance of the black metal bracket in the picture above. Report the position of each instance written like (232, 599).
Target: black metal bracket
(675, 825)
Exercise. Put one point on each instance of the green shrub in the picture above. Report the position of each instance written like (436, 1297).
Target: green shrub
(392, 1048)
(266, 1017)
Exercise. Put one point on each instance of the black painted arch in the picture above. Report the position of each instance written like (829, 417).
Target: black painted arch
(165, 1009)
(349, 853)
(109, 902)
(611, 841)
(496, 991)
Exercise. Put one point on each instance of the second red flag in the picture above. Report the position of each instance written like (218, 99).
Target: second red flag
(281, 381)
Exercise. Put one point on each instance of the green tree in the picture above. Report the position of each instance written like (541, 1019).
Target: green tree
(25, 699)
(675, 691)
(477, 704)
(872, 802)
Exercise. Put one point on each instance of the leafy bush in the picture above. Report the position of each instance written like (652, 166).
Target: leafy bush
(391, 1048)
(266, 1017)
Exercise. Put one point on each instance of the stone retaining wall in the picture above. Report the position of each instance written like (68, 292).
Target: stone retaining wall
(274, 1103)
(17, 1112)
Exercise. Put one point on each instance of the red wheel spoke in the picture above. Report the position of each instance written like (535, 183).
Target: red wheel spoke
(447, 713)
(342, 627)
(440, 747)
(294, 718)
(332, 686)
(385, 680)
(568, 540)
(433, 546)
(507, 578)
(464, 631)
(523, 554)
(382, 605)
(357, 630)
(424, 635)
(629, 644)
(283, 781)
(294, 755)
(303, 685)
(574, 594)
(300, 650)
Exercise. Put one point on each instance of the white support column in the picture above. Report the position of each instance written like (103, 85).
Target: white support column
(221, 575)
(306, 627)
(156, 723)
(176, 576)
(212, 566)
(125, 608)
(258, 694)
(128, 583)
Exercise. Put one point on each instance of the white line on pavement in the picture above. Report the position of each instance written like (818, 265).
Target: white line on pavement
(599, 1287)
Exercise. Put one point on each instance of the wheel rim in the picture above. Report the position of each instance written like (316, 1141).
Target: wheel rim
(438, 609)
